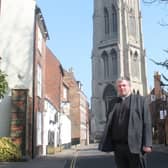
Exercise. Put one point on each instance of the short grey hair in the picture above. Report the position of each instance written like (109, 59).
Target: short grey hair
(121, 78)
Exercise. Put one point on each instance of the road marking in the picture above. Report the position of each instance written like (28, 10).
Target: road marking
(73, 162)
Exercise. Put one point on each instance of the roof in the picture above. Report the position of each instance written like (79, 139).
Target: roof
(43, 26)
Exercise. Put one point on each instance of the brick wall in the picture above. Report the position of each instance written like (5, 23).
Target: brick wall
(74, 99)
(53, 79)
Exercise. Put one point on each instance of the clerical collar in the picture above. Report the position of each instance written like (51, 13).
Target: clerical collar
(124, 97)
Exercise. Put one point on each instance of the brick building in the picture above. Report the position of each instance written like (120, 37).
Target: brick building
(39, 68)
(55, 122)
(159, 108)
(79, 109)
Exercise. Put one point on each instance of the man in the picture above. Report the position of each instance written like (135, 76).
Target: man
(128, 131)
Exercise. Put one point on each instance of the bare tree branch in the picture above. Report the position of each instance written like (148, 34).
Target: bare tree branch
(163, 22)
(153, 1)
(164, 64)
(165, 50)
(164, 77)
(147, 1)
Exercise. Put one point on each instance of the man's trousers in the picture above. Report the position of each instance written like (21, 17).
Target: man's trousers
(125, 159)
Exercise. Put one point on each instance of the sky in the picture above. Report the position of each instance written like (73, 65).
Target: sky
(70, 27)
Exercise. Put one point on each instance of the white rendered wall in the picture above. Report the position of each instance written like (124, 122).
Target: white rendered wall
(16, 50)
(65, 133)
(16, 42)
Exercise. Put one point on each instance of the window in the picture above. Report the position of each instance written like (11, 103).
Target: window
(132, 23)
(39, 81)
(106, 65)
(114, 21)
(40, 40)
(135, 63)
(106, 20)
(114, 64)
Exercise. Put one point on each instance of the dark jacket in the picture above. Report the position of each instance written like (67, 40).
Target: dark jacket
(139, 127)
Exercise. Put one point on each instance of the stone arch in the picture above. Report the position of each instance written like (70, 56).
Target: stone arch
(108, 95)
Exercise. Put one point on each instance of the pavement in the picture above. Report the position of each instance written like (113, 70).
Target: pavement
(61, 159)
(155, 148)
(58, 160)
(75, 148)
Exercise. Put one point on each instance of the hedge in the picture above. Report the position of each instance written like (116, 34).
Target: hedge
(8, 150)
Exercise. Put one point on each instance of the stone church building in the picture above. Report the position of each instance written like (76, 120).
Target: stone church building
(117, 51)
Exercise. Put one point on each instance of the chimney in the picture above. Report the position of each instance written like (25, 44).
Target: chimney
(79, 85)
(157, 87)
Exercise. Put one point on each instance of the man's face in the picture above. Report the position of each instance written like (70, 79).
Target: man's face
(123, 88)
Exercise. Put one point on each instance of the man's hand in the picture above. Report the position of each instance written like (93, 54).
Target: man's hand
(147, 149)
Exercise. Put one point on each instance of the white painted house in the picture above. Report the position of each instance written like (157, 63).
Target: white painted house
(16, 51)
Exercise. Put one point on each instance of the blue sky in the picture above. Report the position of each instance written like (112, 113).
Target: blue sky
(70, 29)
(155, 37)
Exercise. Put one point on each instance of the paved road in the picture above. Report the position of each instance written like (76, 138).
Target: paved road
(84, 157)
(93, 158)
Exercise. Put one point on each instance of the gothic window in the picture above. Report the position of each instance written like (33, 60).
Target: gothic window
(106, 20)
(135, 63)
(114, 64)
(131, 53)
(132, 23)
(106, 65)
(114, 20)
(133, 91)
(135, 56)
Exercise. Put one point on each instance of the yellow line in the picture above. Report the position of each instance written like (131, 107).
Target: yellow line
(73, 162)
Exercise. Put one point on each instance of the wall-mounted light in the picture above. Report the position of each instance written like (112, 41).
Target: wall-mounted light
(20, 75)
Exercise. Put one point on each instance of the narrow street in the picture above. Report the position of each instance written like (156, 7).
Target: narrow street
(91, 157)
(87, 156)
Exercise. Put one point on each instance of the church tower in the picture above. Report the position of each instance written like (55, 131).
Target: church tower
(117, 51)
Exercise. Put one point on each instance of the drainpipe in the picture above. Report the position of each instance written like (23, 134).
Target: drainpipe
(33, 87)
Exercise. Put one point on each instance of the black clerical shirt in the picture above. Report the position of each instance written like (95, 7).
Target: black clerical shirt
(120, 120)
